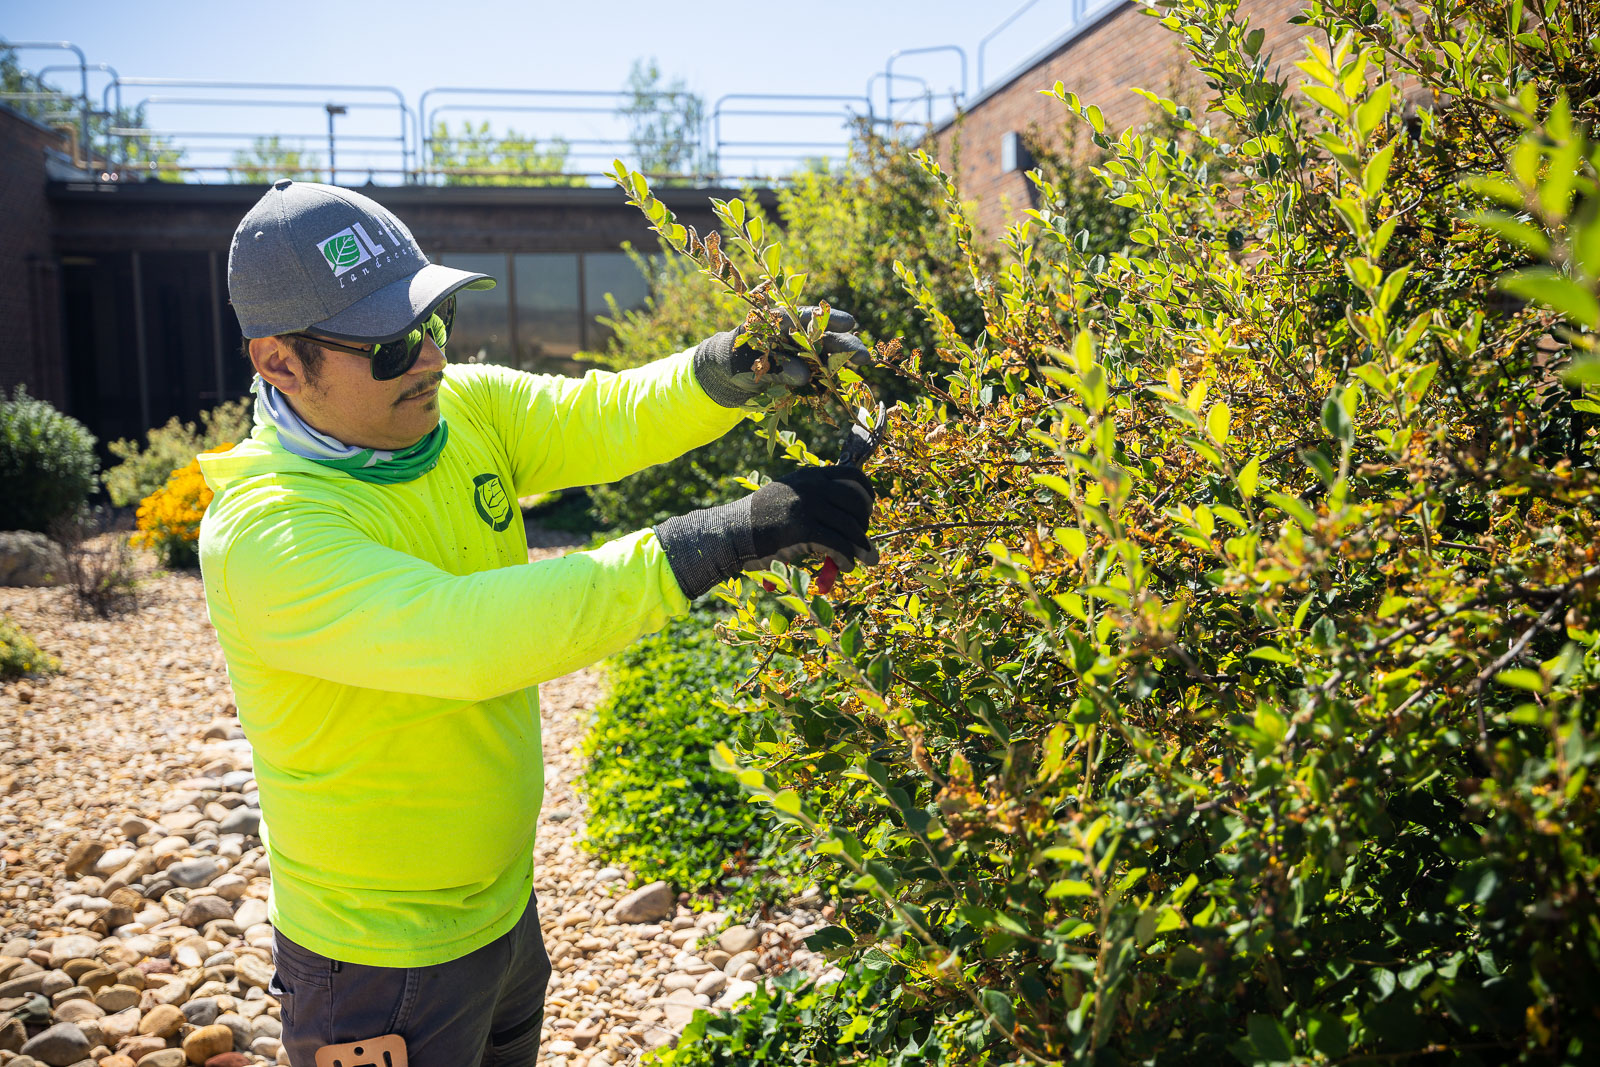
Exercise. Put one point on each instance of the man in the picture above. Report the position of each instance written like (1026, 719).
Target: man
(367, 573)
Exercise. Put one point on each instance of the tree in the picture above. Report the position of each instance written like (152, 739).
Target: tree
(270, 159)
(477, 157)
(666, 124)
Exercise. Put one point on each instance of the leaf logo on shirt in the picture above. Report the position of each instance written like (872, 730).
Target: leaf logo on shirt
(493, 503)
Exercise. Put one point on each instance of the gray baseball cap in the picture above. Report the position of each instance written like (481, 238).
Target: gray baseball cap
(311, 256)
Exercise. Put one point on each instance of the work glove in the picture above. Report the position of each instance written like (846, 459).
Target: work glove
(724, 362)
(815, 511)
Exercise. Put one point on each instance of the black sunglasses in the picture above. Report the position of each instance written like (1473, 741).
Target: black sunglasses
(391, 359)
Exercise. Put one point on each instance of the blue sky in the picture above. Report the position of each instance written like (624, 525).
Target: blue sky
(824, 46)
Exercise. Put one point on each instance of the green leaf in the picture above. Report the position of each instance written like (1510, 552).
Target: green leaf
(1217, 420)
(1248, 477)
(787, 801)
(1512, 229)
(998, 1005)
(1295, 508)
(1545, 285)
(1270, 1038)
(1521, 678)
(1070, 887)
(1271, 654)
(1337, 421)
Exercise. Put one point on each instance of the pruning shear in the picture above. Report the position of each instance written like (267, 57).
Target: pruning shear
(863, 439)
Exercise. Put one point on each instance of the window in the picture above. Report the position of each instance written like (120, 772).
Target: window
(482, 330)
(544, 310)
(549, 322)
(616, 274)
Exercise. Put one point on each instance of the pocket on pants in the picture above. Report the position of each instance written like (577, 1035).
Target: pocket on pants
(518, 1048)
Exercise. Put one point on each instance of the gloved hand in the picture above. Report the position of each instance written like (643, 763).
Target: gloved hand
(723, 361)
(813, 511)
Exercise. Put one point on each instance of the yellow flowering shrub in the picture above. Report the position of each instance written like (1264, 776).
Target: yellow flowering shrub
(169, 518)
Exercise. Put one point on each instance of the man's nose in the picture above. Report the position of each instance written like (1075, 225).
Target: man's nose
(430, 360)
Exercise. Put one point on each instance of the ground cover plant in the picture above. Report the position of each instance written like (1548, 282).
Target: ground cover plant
(654, 801)
(1228, 690)
(20, 654)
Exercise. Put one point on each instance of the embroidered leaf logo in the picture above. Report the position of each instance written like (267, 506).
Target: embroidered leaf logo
(342, 250)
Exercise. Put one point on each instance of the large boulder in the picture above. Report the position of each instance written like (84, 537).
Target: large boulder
(30, 559)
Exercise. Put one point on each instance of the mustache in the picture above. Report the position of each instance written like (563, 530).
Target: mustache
(433, 380)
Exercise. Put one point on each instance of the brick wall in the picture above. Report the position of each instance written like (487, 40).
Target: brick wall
(1125, 49)
(29, 277)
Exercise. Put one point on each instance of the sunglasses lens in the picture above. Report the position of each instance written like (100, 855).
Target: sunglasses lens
(393, 358)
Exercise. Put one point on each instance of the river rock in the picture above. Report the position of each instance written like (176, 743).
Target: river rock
(202, 1011)
(115, 998)
(120, 1024)
(239, 1025)
(162, 1021)
(251, 912)
(202, 910)
(138, 1047)
(649, 903)
(167, 1057)
(243, 820)
(60, 1046)
(737, 939)
(207, 1041)
(227, 1059)
(253, 971)
(78, 1011)
(192, 874)
(72, 947)
(738, 961)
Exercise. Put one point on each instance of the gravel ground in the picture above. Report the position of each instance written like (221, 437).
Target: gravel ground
(133, 887)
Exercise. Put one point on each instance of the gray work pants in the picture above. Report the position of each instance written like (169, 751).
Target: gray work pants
(485, 1008)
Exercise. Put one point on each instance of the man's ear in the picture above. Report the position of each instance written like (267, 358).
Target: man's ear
(278, 365)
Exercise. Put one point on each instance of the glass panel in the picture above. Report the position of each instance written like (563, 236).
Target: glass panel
(614, 273)
(547, 312)
(482, 330)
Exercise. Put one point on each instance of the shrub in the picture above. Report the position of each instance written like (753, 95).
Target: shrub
(144, 470)
(169, 518)
(1228, 691)
(47, 462)
(20, 654)
(654, 801)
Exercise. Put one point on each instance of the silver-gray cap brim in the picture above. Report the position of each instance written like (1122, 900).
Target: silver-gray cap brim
(397, 309)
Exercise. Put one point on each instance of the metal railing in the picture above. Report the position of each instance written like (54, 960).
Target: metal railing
(577, 132)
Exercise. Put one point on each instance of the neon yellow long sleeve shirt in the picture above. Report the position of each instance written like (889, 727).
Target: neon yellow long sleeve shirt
(385, 644)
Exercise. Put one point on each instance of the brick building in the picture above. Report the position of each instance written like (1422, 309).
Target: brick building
(29, 272)
(1101, 58)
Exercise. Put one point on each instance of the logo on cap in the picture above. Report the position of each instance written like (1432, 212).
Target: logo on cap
(350, 247)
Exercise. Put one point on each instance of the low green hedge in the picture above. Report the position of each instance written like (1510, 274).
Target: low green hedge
(654, 801)
(863, 1020)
